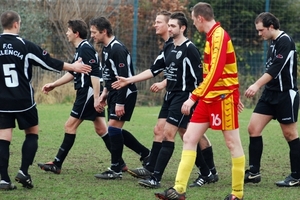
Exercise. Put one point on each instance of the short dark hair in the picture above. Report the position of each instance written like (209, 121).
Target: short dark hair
(203, 9)
(182, 20)
(165, 13)
(8, 18)
(267, 20)
(79, 26)
(101, 23)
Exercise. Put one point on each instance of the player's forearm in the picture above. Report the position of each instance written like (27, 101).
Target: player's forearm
(77, 66)
(164, 82)
(104, 93)
(264, 79)
(63, 80)
(96, 86)
(68, 67)
(145, 75)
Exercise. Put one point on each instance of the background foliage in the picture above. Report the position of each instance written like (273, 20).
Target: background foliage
(44, 22)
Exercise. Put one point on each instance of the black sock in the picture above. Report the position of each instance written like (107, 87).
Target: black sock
(255, 152)
(106, 141)
(117, 144)
(200, 163)
(29, 148)
(64, 149)
(156, 146)
(4, 160)
(163, 158)
(295, 157)
(209, 159)
(132, 143)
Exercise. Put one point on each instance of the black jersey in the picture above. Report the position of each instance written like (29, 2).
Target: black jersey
(282, 64)
(160, 60)
(90, 57)
(17, 56)
(182, 65)
(116, 61)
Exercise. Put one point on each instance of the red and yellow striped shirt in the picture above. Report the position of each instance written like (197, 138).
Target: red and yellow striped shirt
(220, 76)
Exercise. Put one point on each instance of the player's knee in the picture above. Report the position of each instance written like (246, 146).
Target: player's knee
(71, 127)
(204, 142)
(187, 139)
(290, 135)
(158, 131)
(101, 131)
(169, 136)
(253, 131)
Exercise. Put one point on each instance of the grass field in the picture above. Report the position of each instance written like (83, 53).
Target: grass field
(89, 156)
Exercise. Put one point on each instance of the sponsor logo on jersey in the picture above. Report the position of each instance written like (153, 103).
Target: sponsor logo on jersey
(92, 61)
(279, 56)
(45, 52)
(121, 65)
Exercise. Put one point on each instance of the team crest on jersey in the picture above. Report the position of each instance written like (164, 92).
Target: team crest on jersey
(92, 61)
(179, 54)
(45, 52)
(279, 56)
(121, 65)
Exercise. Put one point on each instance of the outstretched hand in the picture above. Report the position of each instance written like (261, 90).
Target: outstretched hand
(80, 67)
(121, 82)
(47, 88)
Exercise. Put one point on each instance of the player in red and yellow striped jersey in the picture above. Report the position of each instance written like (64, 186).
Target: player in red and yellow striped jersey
(217, 108)
(219, 67)
(219, 88)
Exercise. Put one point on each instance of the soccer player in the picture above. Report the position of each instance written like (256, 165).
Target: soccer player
(87, 102)
(17, 97)
(279, 100)
(217, 100)
(161, 26)
(116, 60)
(181, 63)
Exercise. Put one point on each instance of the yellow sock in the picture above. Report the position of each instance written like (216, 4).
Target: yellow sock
(185, 167)
(238, 173)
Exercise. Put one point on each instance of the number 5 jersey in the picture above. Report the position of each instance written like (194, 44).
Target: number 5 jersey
(17, 56)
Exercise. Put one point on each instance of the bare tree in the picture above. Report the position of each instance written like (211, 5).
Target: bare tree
(61, 11)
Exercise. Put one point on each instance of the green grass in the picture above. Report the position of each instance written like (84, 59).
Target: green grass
(89, 156)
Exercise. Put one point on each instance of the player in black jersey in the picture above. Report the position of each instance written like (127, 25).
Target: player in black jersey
(17, 56)
(181, 62)
(279, 100)
(87, 86)
(161, 26)
(116, 60)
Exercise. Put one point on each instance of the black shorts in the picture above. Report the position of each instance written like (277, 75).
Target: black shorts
(83, 107)
(283, 106)
(25, 119)
(129, 105)
(171, 109)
